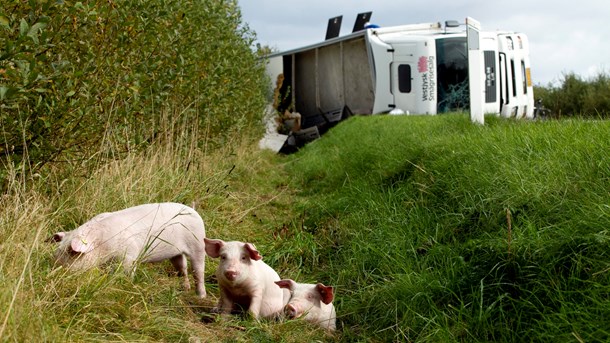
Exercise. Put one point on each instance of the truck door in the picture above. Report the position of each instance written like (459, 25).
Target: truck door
(413, 78)
(402, 71)
(402, 85)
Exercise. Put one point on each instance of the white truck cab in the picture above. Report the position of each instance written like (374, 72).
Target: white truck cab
(428, 70)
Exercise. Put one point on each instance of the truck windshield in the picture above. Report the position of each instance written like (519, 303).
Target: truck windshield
(452, 69)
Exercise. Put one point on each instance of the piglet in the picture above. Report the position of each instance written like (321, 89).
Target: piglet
(313, 302)
(145, 233)
(245, 280)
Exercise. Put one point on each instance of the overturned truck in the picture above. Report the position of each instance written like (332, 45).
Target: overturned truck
(410, 69)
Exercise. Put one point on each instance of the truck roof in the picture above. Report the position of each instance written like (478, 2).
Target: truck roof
(319, 44)
(390, 34)
(411, 29)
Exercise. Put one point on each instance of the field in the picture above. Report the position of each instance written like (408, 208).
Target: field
(430, 228)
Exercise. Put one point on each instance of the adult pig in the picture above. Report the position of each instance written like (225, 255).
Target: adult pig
(245, 280)
(312, 301)
(145, 233)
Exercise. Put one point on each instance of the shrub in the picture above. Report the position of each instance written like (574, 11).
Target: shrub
(77, 76)
(577, 97)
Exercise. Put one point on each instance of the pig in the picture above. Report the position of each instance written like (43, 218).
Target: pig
(145, 233)
(245, 280)
(312, 302)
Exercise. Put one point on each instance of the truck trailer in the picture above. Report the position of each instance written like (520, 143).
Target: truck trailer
(425, 69)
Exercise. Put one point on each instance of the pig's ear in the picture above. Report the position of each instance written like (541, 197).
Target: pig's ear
(286, 283)
(58, 237)
(81, 245)
(326, 292)
(212, 247)
(253, 252)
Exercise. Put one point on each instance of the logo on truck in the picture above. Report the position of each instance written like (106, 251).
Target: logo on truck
(425, 66)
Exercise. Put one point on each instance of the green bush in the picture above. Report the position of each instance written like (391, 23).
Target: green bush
(577, 97)
(79, 77)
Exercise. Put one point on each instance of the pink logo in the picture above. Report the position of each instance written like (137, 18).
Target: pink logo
(422, 64)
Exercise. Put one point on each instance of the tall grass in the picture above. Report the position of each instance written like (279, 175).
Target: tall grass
(41, 302)
(444, 231)
(431, 229)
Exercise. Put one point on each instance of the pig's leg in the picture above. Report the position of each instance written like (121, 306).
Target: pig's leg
(225, 304)
(179, 263)
(198, 265)
(129, 265)
(255, 304)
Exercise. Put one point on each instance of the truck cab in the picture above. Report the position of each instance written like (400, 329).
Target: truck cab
(428, 71)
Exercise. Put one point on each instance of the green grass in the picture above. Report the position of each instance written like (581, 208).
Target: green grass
(419, 211)
(408, 217)
(40, 302)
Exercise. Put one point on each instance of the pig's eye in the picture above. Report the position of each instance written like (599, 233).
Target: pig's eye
(244, 258)
(223, 257)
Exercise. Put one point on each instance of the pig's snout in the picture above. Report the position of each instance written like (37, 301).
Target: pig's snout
(231, 275)
(291, 311)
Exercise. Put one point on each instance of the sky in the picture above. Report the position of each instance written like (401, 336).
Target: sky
(564, 36)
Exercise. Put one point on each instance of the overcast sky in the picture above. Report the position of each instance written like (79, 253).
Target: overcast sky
(565, 36)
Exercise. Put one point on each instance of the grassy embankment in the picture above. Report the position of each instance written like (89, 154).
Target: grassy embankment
(432, 229)
(435, 229)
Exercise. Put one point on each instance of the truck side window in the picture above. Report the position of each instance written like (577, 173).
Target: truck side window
(404, 78)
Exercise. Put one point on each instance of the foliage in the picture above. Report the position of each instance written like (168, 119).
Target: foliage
(577, 97)
(79, 77)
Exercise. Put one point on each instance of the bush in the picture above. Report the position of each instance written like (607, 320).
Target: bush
(77, 76)
(577, 97)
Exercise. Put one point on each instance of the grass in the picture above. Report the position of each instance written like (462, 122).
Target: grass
(41, 302)
(425, 250)
(407, 216)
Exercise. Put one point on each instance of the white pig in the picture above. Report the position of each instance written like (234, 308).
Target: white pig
(245, 280)
(145, 233)
(314, 302)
